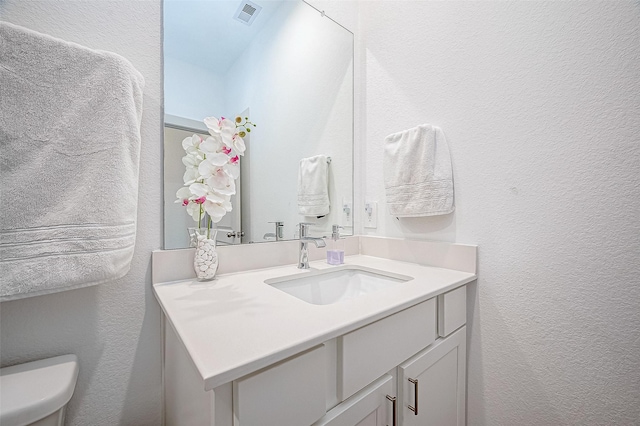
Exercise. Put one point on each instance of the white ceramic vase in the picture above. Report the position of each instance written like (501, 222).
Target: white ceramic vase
(205, 262)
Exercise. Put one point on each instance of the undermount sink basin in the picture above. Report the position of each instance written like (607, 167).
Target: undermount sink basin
(325, 287)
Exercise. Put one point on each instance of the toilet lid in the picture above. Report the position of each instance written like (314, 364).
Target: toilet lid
(31, 391)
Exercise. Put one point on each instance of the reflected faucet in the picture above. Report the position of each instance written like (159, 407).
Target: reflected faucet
(303, 262)
(278, 235)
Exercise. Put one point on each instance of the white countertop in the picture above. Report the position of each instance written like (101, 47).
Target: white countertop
(237, 324)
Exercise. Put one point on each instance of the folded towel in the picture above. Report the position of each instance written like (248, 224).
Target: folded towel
(417, 173)
(70, 146)
(313, 186)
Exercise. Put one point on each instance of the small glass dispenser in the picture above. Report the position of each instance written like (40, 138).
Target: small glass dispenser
(335, 252)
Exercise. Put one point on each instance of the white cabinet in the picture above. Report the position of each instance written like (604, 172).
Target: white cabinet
(432, 384)
(394, 371)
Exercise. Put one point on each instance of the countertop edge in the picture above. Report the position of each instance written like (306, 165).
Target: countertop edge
(211, 381)
(235, 373)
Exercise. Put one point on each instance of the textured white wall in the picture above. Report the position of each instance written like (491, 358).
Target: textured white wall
(113, 328)
(540, 102)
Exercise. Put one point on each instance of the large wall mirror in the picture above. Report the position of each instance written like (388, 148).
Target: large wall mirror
(289, 68)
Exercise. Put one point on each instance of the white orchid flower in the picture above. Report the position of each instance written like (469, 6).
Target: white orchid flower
(184, 195)
(191, 175)
(233, 167)
(239, 144)
(212, 145)
(191, 144)
(221, 127)
(217, 159)
(192, 160)
(236, 143)
(226, 130)
(202, 192)
(216, 205)
(221, 182)
(217, 209)
(216, 178)
(188, 199)
(193, 209)
(198, 189)
(210, 166)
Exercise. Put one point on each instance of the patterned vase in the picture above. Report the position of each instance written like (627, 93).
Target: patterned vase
(205, 262)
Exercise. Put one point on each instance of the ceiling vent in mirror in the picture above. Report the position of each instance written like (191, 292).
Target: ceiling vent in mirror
(247, 12)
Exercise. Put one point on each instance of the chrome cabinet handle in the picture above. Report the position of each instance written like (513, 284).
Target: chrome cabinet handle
(235, 234)
(394, 401)
(415, 387)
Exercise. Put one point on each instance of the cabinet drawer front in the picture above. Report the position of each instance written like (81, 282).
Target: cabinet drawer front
(291, 393)
(369, 406)
(452, 311)
(369, 352)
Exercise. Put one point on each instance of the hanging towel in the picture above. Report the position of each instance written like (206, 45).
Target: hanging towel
(70, 146)
(417, 173)
(313, 186)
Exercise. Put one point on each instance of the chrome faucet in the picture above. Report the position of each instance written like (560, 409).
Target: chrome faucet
(279, 228)
(303, 262)
(278, 235)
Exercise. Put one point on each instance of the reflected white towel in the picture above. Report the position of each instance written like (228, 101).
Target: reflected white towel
(313, 186)
(70, 145)
(417, 172)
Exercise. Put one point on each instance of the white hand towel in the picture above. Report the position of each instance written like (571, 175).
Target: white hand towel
(313, 186)
(417, 173)
(70, 146)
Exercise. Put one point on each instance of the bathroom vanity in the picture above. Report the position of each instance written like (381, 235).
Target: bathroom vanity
(243, 350)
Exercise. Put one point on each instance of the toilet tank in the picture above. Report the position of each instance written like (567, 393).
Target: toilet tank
(36, 393)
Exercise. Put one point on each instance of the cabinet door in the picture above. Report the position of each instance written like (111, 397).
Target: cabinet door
(432, 384)
(369, 407)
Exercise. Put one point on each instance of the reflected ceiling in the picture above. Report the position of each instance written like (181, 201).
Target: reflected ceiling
(193, 27)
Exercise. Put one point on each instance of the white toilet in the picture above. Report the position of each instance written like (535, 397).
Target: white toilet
(36, 393)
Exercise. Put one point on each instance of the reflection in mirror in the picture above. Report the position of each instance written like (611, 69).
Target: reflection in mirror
(291, 72)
